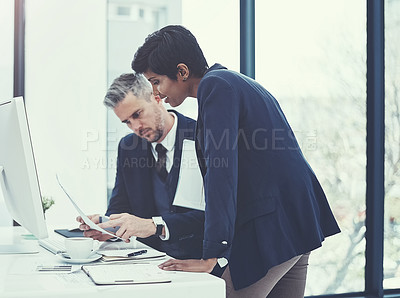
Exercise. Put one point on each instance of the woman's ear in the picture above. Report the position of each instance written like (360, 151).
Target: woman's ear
(183, 72)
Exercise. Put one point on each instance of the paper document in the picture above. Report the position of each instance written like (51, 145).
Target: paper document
(190, 189)
(86, 219)
(41, 265)
(126, 274)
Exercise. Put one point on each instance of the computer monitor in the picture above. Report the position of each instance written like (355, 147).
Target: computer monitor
(18, 177)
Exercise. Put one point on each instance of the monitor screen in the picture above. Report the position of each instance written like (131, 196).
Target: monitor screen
(18, 177)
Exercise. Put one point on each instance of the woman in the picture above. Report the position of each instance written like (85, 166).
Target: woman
(265, 209)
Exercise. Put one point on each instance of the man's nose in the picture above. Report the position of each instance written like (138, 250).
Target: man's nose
(135, 126)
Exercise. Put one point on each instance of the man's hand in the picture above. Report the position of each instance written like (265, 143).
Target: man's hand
(189, 265)
(87, 232)
(84, 227)
(130, 225)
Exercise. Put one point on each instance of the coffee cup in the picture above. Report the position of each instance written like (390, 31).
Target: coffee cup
(81, 247)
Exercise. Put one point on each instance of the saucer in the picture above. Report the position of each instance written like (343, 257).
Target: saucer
(65, 258)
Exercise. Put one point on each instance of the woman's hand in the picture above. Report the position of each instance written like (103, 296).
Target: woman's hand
(189, 265)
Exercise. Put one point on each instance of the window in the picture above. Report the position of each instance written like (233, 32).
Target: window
(123, 10)
(222, 20)
(392, 147)
(222, 46)
(311, 55)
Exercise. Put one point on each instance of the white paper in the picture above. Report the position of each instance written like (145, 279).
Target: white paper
(33, 264)
(86, 219)
(190, 189)
(137, 273)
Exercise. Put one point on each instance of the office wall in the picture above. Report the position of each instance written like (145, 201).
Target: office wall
(65, 84)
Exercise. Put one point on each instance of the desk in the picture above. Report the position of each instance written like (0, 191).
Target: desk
(77, 284)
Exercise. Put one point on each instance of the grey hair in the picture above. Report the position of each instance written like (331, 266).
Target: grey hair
(125, 83)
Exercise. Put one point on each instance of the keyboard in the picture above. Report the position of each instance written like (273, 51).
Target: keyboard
(53, 245)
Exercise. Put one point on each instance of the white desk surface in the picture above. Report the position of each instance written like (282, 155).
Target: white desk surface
(18, 279)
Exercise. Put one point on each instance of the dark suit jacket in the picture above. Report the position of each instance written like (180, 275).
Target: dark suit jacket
(133, 193)
(264, 204)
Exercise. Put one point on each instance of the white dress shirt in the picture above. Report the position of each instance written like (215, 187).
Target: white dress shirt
(169, 144)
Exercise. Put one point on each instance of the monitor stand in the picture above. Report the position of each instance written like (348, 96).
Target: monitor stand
(17, 249)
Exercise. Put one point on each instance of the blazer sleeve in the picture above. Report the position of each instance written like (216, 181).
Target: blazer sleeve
(184, 225)
(119, 199)
(219, 112)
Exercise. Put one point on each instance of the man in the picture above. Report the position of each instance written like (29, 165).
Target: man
(141, 203)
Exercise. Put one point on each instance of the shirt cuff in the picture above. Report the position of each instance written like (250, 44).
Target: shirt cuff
(222, 262)
(166, 237)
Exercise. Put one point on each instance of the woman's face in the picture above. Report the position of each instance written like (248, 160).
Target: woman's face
(173, 92)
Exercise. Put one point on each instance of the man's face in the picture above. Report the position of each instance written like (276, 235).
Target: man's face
(145, 118)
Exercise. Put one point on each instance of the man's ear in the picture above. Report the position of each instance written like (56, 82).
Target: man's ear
(183, 72)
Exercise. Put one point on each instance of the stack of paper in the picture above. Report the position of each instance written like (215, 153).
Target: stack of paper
(130, 254)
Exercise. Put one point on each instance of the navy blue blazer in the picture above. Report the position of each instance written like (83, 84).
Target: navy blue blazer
(133, 192)
(264, 204)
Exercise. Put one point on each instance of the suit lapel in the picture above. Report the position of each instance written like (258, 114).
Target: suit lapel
(199, 145)
(139, 162)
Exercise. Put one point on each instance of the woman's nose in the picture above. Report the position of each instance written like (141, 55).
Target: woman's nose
(155, 90)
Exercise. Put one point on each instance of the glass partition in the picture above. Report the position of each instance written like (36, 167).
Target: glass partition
(128, 24)
(130, 21)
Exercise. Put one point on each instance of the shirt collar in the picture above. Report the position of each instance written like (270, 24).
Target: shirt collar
(169, 140)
